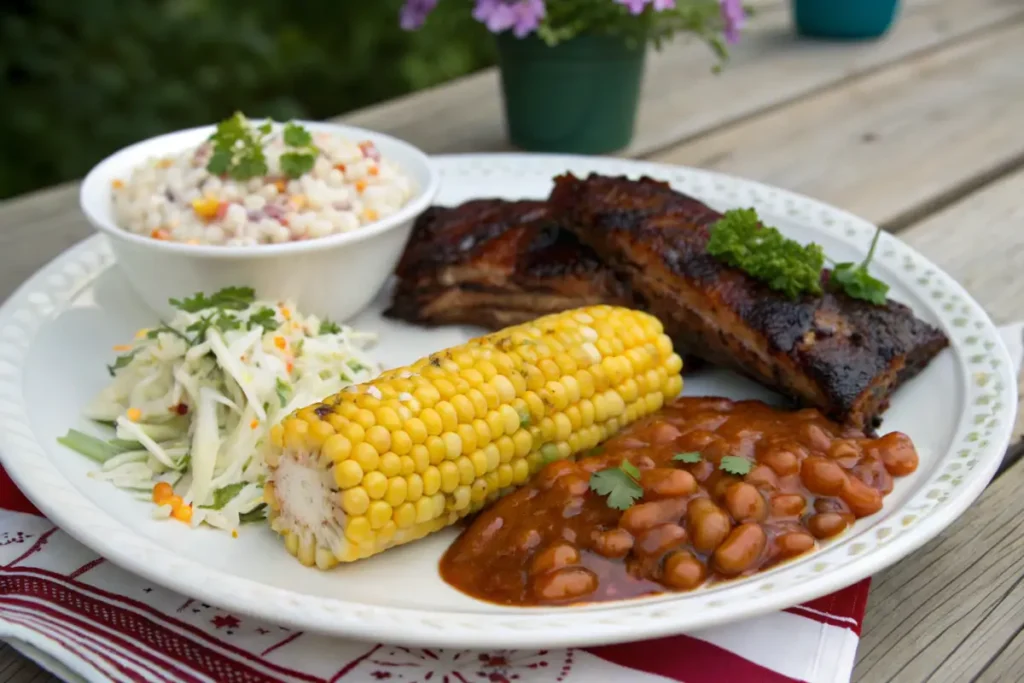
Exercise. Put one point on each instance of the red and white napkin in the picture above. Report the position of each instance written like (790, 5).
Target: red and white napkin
(87, 620)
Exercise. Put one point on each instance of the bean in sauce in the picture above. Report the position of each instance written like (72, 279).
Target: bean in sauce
(556, 542)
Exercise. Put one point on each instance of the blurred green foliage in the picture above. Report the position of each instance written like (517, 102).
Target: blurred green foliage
(81, 78)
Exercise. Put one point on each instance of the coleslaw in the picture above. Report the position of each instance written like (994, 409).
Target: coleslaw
(192, 402)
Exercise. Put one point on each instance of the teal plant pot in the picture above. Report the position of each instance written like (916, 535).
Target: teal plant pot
(849, 19)
(579, 97)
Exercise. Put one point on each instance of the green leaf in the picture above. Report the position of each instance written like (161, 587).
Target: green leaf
(265, 318)
(296, 164)
(296, 135)
(220, 162)
(224, 495)
(282, 391)
(257, 514)
(619, 484)
(689, 458)
(229, 298)
(356, 366)
(739, 240)
(524, 418)
(855, 280)
(328, 327)
(734, 464)
(122, 361)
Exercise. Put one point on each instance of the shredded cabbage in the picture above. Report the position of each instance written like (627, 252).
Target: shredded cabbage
(193, 400)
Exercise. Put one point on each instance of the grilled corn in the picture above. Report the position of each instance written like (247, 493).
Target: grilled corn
(390, 461)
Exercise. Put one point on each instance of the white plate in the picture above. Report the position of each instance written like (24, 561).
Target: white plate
(56, 335)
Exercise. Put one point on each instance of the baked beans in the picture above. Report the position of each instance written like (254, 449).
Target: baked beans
(555, 541)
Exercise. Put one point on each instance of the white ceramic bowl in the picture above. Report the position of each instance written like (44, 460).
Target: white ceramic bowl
(334, 276)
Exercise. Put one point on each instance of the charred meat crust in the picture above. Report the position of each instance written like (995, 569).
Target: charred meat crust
(494, 263)
(841, 355)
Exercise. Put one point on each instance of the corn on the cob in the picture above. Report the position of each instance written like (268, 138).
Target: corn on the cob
(390, 461)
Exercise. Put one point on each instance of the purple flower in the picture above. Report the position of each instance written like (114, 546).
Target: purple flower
(634, 6)
(522, 16)
(662, 5)
(734, 18)
(415, 12)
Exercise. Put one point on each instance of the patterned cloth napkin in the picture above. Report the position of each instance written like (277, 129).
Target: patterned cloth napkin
(87, 620)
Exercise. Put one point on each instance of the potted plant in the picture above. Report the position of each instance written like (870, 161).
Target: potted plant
(571, 69)
(851, 19)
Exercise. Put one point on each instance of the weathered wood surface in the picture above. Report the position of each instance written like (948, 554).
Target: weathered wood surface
(918, 131)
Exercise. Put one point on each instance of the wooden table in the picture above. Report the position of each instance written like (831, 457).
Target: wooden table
(920, 132)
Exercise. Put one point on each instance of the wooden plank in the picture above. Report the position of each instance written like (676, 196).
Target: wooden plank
(941, 614)
(14, 668)
(893, 145)
(681, 98)
(945, 611)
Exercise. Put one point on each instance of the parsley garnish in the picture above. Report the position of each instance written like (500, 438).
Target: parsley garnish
(238, 148)
(356, 366)
(739, 240)
(620, 484)
(282, 391)
(121, 361)
(298, 162)
(734, 464)
(328, 327)
(688, 458)
(164, 327)
(856, 281)
(265, 318)
(223, 496)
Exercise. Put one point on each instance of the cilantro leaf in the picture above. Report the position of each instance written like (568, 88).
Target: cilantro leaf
(238, 148)
(855, 280)
(265, 318)
(295, 164)
(122, 361)
(224, 322)
(689, 458)
(356, 366)
(223, 496)
(220, 162)
(734, 464)
(229, 298)
(296, 136)
(619, 484)
(739, 240)
(328, 327)
(282, 391)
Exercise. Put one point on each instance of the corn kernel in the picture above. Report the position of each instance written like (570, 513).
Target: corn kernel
(461, 498)
(420, 458)
(432, 480)
(491, 479)
(452, 444)
(449, 416)
(390, 465)
(336, 447)
(437, 449)
(505, 475)
(378, 514)
(467, 473)
(367, 457)
(277, 436)
(463, 408)
(424, 510)
(520, 471)
(347, 474)
(291, 543)
(506, 448)
(502, 385)
(490, 395)
(295, 434)
(357, 530)
(405, 515)
(376, 485)
(467, 435)
(353, 432)
(440, 502)
(397, 491)
(496, 424)
(355, 501)
(427, 395)
(408, 465)
(523, 442)
(478, 492)
(449, 476)
(536, 405)
(479, 460)
(413, 487)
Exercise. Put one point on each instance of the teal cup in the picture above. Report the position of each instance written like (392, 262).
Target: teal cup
(844, 19)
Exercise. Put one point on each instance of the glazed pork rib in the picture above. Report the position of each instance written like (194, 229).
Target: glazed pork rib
(839, 354)
(496, 263)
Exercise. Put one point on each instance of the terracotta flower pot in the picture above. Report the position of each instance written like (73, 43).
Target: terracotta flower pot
(578, 97)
